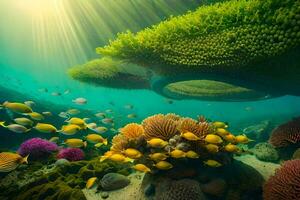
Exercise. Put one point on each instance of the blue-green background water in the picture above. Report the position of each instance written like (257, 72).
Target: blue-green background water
(32, 58)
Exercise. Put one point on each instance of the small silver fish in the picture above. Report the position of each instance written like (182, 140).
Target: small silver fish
(107, 121)
(79, 101)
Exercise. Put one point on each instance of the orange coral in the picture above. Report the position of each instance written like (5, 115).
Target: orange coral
(161, 126)
(133, 131)
(119, 143)
(190, 125)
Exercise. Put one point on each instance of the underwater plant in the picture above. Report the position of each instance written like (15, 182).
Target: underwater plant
(286, 134)
(285, 184)
(37, 148)
(71, 154)
(169, 139)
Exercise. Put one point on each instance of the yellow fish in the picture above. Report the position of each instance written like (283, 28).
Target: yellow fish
(73, 111)
(231, 148)
(91, 182)
(95, 138)
(242, 139)
(54, 139)
(222, 131)
(131, 116)
(17, 128)
(76, 143)
(98, 145)
(229, 138)
(214, 139)
(158, 156)
(142, 168)
(212, 148)
(212, 163)
(35, 116)
(163, 165)
(119, 158)
(157, 143)
(132, 153)
(220, 124)
(70, 129)
(106, 155)
(23, 121)
(77, 121)
(177, 153)
(191, 154)
(100, 129)
(190, 136)
(45, 128)
(10, 161)
(20, 108)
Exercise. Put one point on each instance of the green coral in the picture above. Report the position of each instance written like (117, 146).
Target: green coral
(223, 35)
(110, 73)
(208, 89)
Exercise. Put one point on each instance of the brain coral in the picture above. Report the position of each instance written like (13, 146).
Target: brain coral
(37, 148)
(286, 134)
(185, 189)
(285, 184)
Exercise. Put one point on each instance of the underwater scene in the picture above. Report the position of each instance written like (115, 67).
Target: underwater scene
(150, 99)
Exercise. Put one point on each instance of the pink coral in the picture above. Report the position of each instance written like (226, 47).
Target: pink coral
(37, 148)
(286, 134)
(285, 184)
(71, 154)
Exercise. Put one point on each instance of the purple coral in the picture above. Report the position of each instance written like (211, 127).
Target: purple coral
(37, 148)
(71, 154)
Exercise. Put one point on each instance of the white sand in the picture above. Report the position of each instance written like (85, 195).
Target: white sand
(131, 192)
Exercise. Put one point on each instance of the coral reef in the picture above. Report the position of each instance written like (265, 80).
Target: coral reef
(114, 181)
(285, 184)
(265, 152)
(37, 148)
(286, 134)
(211, 90)
(110, 73)
(170, 140)
(71, 154)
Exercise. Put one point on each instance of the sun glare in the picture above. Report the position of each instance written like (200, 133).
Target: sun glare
(39, 7)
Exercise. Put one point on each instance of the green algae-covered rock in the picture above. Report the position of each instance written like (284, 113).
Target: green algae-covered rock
(52, 190)
(114, 181)
(233, 33)
(111, 73)
(265, 152)
(211, 90)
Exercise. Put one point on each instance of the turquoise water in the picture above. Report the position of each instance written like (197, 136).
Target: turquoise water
(39, 45)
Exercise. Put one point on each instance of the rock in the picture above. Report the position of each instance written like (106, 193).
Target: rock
(114, 181)
(215, 187)
(104, 195)
(61, 162)
(265, 152)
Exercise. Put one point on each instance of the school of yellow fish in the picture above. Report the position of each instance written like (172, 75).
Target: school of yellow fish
(159, 158)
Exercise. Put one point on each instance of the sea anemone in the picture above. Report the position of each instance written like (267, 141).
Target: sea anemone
(201, 129)
(285, 184)
(132, 131)
(71, 154)
(160, 126)
(37, 148)
(286, 134)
